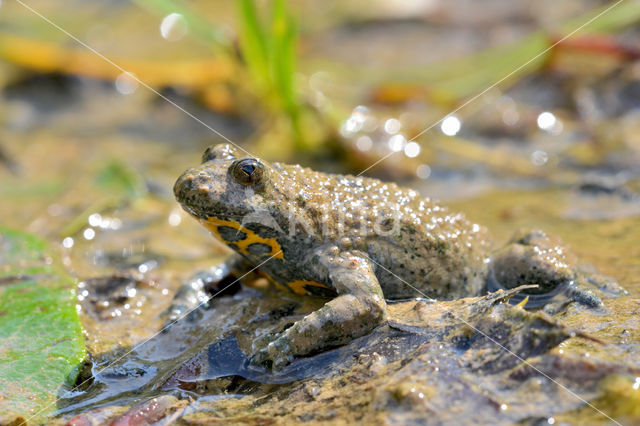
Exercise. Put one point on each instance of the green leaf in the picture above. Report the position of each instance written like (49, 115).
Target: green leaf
(41, 342)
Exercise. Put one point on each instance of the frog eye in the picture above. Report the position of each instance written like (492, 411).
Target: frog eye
(248, 172)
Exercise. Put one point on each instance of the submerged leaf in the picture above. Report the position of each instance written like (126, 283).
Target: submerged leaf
(41, 335)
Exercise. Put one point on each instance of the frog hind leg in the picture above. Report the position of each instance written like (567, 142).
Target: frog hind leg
(533, 257)
(199, 289)
(358, 309)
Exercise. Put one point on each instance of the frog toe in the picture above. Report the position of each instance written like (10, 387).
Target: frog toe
(261, 359)
(275, 356)
(583, 296)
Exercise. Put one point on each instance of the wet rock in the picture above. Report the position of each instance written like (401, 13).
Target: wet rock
(149, 412)
(104, 298)
(97, 416)
(468, 360)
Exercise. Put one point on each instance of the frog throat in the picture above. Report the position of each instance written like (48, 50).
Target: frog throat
(242, 244)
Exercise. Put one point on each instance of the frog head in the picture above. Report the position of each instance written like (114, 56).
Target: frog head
(233, 196)
(226, 185)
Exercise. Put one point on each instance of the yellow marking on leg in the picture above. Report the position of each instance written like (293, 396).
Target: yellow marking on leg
(297, 286)
(213, 223)
(263, 280)
(275, 283)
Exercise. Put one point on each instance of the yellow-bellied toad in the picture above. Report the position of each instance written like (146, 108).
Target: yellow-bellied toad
(355, 239)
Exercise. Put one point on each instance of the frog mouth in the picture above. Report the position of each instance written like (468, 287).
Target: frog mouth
(192, 212)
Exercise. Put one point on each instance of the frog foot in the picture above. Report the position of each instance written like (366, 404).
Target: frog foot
(275, 356)
(532, 257)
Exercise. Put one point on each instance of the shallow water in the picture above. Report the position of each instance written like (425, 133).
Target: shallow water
(92, 169)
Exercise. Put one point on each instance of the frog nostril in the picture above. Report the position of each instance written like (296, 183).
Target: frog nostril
(183, 185)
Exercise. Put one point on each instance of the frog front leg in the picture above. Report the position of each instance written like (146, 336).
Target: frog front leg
(197, 291)
(358, 309)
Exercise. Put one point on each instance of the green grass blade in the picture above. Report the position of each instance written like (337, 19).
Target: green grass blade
(253, 44)
(282, 61)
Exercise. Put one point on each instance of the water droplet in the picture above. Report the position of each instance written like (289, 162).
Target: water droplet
(95, 219)
(423, 171)
(546, 120)
(397, 142)
(412, 150)
(360, 113)
(174, 219)
(349, 127)
(392, 126)
(67, 242)
(126, 83)
(173, 27)
(539, 158)
(551, 420)
(89, 234)
(364, 143)
(451, 125)
(353, 124)
(503, 407)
